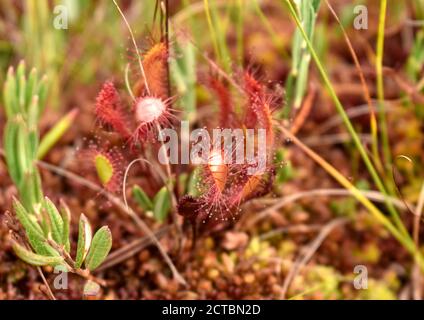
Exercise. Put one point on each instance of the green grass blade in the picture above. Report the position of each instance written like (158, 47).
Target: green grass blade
(340, 109)
(100, 247)
(55, 133)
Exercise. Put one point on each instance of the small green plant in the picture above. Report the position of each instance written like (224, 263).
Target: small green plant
(47, 233)
(158, 207)
(24, 102)
(395, 225)
(298, 78)
(46, 237)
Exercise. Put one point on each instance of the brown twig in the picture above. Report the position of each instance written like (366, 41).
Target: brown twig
(367, 95)
(70, 264)
(330, 139)
(49, 291)
(304, 111)
(298, 228)
(352, 113)
(286, 200)
(130, 250)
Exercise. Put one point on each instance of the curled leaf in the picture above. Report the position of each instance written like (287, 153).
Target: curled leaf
(66, 217)
(84, 241)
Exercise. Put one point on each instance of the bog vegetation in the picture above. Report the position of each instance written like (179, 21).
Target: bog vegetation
(90, 193)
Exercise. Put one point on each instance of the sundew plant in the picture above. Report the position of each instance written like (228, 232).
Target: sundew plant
(207, 149)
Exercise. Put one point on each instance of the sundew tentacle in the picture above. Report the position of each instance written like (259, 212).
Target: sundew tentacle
(109, 110)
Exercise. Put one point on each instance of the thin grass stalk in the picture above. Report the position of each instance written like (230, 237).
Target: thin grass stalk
(403, 239)
(140, 64)
(239, 31)
(380, 83)
(212, 29)
(367, 95)
(274, 36)
(221, 25)
(340, 109)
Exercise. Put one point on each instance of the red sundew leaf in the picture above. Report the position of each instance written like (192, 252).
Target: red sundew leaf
(227, 117)
(215, 209)
(109, 110)
(155, 64)
(251, 187)
(258, 113)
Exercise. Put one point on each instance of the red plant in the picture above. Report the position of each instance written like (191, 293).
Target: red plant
(258, 112)
(149, 112)
(109, 110)
(227, 118)
(155, 63)
(150, 109)
(224, 187)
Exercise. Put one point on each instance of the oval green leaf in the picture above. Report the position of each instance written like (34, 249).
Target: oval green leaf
(36, 259)
(142, 198)
(162, 204)
(100, 247)
(56, 222)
